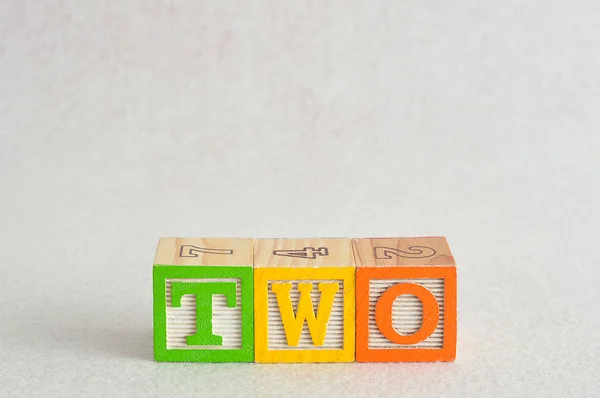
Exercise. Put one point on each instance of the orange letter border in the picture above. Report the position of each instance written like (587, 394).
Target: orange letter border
(366, 354)
(262, 276)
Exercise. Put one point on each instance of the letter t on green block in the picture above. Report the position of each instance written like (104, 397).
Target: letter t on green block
(203, 300)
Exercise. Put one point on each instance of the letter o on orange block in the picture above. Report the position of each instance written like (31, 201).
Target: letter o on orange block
(383, 313)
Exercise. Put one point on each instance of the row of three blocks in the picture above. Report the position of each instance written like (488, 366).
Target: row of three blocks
(304, 300)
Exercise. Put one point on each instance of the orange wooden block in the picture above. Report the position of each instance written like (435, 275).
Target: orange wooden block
(405, 300)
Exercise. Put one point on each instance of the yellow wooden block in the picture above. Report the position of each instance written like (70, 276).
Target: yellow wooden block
(304, 300)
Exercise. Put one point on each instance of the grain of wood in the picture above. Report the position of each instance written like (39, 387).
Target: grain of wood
(185, 251)
(338, 253)
(392, 252)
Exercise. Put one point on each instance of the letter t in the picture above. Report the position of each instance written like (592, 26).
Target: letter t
(203, 292)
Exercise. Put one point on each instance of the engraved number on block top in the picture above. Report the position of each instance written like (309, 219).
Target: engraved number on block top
(382, 252)
(192, 251)
(307, 252)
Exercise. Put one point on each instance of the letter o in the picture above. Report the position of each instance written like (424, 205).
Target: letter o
(383, 313)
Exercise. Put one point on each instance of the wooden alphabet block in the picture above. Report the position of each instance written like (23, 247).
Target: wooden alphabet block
(405, 300)
(304, 300)
(203, 300)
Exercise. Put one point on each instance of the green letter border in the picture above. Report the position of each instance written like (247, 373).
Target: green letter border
(163, 272)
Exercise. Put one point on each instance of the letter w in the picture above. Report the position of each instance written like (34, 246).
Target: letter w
(317, 326)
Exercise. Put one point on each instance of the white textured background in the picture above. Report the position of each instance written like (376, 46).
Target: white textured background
(122, 121)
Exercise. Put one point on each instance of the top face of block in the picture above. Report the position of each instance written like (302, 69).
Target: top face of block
(292, 253)
(402, 252)
(200, 251)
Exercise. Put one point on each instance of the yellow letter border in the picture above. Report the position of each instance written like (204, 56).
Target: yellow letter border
(262, 276)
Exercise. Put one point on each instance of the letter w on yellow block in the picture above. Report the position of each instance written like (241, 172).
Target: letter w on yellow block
(317, 325)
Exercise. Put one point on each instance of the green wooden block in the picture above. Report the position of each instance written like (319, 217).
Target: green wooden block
(203, 300)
